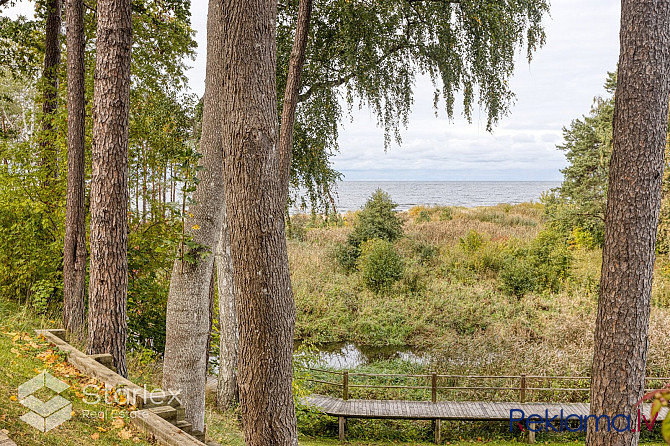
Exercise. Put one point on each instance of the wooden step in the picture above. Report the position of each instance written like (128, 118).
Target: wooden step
(184, 425)
(105, 359)
(161, 398)
(167, 413)
(199, 435)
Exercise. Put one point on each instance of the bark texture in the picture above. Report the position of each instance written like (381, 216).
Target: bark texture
(50, 85)
(107, 326)
(74, 249)
(187, 321)
(226, 392)
(636, 168)
(255, 207)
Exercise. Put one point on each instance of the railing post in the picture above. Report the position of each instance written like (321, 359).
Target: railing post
(433, 385)
(345, 396)
(345, 385)
(522, 389)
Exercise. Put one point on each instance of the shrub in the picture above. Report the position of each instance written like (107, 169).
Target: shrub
(517, 277)
(471, 242)
(377, 220)
(380, 264)
(542, 265)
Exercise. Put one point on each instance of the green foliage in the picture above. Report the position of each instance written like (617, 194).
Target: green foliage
(517, 277)
(380, 264)
(363, 53)
(471, 242)
(581, 199)
(377, 220)
(542, 265)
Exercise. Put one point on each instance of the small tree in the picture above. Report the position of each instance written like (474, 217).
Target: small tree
(377, 220)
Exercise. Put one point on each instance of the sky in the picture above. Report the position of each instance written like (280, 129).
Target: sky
(558, 86)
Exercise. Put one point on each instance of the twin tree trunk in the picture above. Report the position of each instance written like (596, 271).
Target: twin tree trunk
(74, 249)
(226, 391)
(188, 317)
(107, 326)
(633, 200)
(255, 203)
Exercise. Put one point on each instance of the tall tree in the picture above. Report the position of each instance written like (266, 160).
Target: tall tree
(228, 361)
(74, 249)
(50, 85)
(631, 219)
(107, 326)
(186, 342)
(251, 169)
(226, 390)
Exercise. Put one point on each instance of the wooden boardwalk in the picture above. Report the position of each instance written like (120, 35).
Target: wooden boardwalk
(447, 410)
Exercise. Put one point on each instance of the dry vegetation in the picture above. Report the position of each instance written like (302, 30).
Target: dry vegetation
(450, 300)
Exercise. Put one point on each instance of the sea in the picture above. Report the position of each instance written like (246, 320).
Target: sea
(351, 195)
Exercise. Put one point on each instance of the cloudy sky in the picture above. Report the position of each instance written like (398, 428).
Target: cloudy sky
(558, 86)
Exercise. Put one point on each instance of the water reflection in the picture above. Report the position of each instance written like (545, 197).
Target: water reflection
(347, 355)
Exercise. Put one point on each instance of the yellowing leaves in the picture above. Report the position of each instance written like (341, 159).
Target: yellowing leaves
(125, 434)
(13, 398)
(95, 436)
(195, 227)
(118, 423)
(48, 357)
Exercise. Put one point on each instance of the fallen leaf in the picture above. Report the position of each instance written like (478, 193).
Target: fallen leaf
(13, 398)
(95, 436)
(118, 423)
(125, 434)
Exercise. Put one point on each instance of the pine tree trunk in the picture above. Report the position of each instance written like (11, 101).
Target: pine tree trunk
(636, 169)
(255, 207)
(50, 86)
(74, 249)
(226, 392)
(188, 301)
(107, 327)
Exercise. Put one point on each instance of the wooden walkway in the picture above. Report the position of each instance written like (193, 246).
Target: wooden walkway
(447, 410)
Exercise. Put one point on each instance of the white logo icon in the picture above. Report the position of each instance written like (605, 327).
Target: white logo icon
(44, 416)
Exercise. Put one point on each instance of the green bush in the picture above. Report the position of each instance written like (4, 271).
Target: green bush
(377, 220)
(471, 242)
(517, 277)
(380, 264)
(543, 265)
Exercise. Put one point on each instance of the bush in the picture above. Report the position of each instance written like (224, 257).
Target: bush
(377, 220)
(543, 265)
(380, 264)
(517, 277)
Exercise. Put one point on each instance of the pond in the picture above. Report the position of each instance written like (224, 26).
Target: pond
(349, 355)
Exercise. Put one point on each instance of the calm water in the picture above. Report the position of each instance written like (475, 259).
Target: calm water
(348, 355)
(351, 195)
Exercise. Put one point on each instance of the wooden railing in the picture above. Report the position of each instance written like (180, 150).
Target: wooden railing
(524, 387)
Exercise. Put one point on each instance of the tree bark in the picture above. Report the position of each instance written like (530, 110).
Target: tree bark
(107, 326)
(292, 92)
(226, 392)
(636, 170)
(50, 85)
(74, 249)
(188, 300)
(255, 206)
